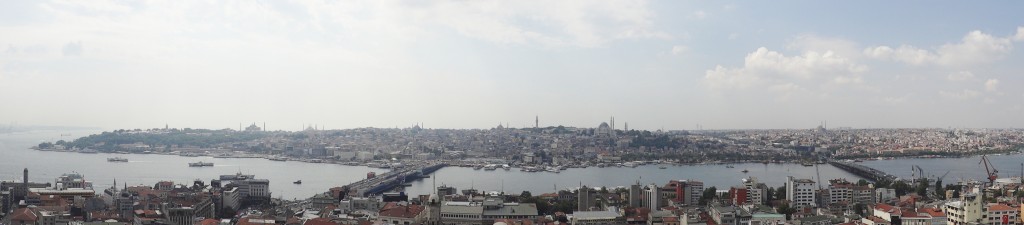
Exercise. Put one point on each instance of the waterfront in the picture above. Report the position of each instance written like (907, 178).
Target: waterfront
(966, 168)
(147, 169)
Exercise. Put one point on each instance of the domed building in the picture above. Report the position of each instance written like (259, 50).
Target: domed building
(604, 130)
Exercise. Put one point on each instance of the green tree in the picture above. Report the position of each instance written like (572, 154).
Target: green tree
(922, 188)
(902, 188)
(709, 194)
(780, 193)
(940, 193)
(862, 182)
(785, 209)
(860, 209)
(525, 195)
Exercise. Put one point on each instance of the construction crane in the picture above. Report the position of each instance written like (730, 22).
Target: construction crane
(990, 170)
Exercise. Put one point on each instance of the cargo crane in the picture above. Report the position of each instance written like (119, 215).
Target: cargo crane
(990, 170)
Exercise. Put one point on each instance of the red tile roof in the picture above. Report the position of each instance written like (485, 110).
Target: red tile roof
(403, 211)
(999, 207)
(320, 221)
(24, 214)
(209, 222)
(933, 212)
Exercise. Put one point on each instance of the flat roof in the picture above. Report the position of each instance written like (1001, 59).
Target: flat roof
(595, 215)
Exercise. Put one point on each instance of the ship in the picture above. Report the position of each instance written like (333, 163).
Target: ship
(200, 164)
(506, 167)
(297, 182)
(490, 167)
(807, 164)
(745, 171)
(117, 159)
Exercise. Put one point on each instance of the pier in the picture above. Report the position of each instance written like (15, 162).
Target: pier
(387, 181)
(867, 173)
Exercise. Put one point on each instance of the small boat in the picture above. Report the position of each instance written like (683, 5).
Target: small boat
(297, 182)
(661, 167)
(745, 171)
(117, 159)
(807, 164)
(730, 166)
(200, 164)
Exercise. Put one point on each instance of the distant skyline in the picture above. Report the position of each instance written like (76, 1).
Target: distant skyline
(475, 64)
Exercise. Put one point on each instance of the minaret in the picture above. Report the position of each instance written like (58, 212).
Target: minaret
(625, 126)
(25, 181)
(536, 121)
(613, 123)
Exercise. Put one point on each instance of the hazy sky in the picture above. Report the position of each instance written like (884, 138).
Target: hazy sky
(475, 64)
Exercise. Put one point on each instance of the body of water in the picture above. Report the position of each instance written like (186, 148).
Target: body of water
(147, 169)
(316, 178)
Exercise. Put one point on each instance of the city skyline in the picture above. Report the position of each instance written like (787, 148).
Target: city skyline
(467, 65)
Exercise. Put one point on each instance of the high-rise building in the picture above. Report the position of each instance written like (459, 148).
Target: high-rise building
(800, 192)
(652, 197)
(635, 195)
(584, 199)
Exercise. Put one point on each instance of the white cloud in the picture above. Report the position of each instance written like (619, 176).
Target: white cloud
(810, 42)
(72, 49)
(700, 14)
(974, 48)
(780, 72)
(960, 95)
(992, 85)
(679, 49)
(1020, 34)
(960, 76)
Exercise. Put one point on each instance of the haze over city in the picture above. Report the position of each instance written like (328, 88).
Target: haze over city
(475, 64)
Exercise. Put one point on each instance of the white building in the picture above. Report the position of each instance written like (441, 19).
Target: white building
(800, 192)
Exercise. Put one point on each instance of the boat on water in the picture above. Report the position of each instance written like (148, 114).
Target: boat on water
(478, 167)
(729, 166)
(662, 167)
(506, 167)
(117, 159)
(282, 159)
(489, 167)
(745, 171)
(200, 164)
(807, 164)
(553, 170)
(629, 164)
(297, 182)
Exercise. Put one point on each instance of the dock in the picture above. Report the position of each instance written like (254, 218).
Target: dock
(867, 173)
(388, 181)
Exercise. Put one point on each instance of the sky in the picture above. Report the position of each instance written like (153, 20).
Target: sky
(476, 64)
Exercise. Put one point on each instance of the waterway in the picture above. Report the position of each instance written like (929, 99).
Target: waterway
(147, 169)
(316, 178)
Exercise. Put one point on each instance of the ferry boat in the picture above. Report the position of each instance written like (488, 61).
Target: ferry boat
(282, 159)
(662, 167)
(490, 167)
(297, 182)
(200, 164)
(745, 171)
(807, 164)
(629, 164)
(117, 159)
(506, 167)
